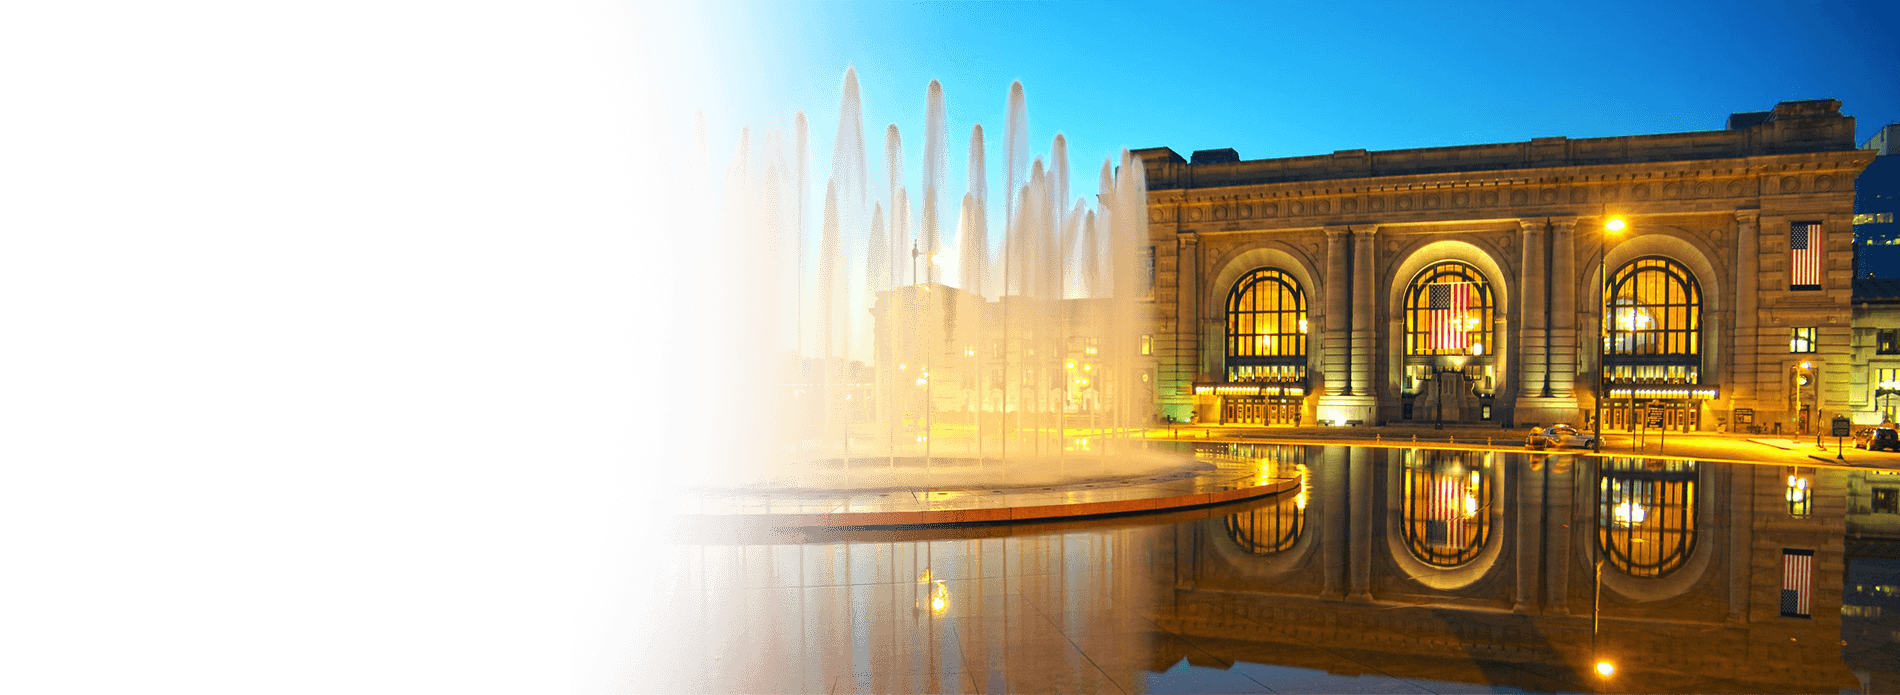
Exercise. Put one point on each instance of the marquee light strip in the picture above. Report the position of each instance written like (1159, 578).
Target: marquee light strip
(1705, 393)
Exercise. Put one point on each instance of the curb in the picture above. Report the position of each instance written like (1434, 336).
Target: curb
(991, 515)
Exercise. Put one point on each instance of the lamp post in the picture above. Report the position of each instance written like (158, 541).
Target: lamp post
(1611, 226)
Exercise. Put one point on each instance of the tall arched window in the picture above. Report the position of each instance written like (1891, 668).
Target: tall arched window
(1653, 331)
(1449, 311)
(1447, 505)
(1266, 329)
(1450, 326)
(1646, 523)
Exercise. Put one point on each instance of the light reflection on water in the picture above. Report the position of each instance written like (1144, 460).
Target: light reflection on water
(1386, 571)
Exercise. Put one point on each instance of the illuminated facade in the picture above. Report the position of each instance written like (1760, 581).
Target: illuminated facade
(1461, 284)
(1419, 558)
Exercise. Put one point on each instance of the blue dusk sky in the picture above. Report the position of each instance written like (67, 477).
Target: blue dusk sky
(1279, 79)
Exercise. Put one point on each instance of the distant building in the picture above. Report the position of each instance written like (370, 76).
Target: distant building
(1876, 201)
(1876, 386)
(1461, 284)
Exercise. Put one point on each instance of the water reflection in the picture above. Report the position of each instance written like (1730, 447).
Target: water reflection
(1447, 505)
(1646, 514)
(1388, 570)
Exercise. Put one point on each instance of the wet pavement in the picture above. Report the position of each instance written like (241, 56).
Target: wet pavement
(1378, 570)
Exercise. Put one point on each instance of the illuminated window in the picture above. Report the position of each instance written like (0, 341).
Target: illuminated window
(1802, 340)
(1147, 345)
(1266, 329)
(1449, 311)
(1873, 218)
(1645, 511)
(1447, 505)
(1800, 492)
(1653, 331)
(1887, 342)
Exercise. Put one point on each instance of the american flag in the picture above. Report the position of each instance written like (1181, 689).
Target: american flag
(1804, 253)
(1797, 569)
(1444, 514)
(1445, 314)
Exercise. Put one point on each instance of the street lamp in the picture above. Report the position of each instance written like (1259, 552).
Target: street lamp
(1611, 227)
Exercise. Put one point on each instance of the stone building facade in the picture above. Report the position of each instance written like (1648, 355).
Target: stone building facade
(1422, 559)
(1462, 284)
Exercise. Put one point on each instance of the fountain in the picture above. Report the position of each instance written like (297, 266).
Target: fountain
(1026, 363)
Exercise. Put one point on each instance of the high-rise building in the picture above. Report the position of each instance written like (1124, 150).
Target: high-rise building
(1876, 200)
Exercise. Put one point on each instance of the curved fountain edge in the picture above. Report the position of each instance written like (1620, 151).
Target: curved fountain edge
(1249, 489)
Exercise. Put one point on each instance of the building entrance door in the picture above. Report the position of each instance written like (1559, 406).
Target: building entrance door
(1260, 410)
(1679, 415)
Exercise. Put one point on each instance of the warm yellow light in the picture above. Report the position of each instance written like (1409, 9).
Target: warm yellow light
(1606, 669)
(921, 381)
(1615, 224)
(900, 367)
(1069, 364)
(1807, 365)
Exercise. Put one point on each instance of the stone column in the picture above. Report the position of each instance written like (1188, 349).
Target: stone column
(1741, 541)
(1563, 309)
(1359, 543)
(1364, 309)
(1333, 340)
(1743, 390)
(1532, 340)
(1331, 483)
(1528, 518)
(1187, 309)
(1564, 528)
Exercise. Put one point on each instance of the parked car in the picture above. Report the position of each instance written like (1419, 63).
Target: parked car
(1877, 438)
(1561, 437)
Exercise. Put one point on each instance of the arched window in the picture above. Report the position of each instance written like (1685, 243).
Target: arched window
(1447, 505)
(1449, 311)
(1646, 523)
(1276, 523)
(1653, 331)
(1266, 329)
(1273, 526)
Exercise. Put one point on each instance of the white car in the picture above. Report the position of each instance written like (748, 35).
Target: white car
(1561, 437)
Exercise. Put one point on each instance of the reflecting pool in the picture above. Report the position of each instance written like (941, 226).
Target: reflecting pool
(1386, 570)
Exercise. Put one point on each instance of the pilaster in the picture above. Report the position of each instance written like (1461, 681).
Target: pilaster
(1563, 308)
(1360, 540)
(1743, 390)
(1363, 311)
(1334, 360)
(1532, 338)
(1528, 523)
(1187, 298)
(1349, 394)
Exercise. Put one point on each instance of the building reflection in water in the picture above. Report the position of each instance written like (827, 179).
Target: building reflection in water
(1447, 505)
(1387, 570)
(1646, 514)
